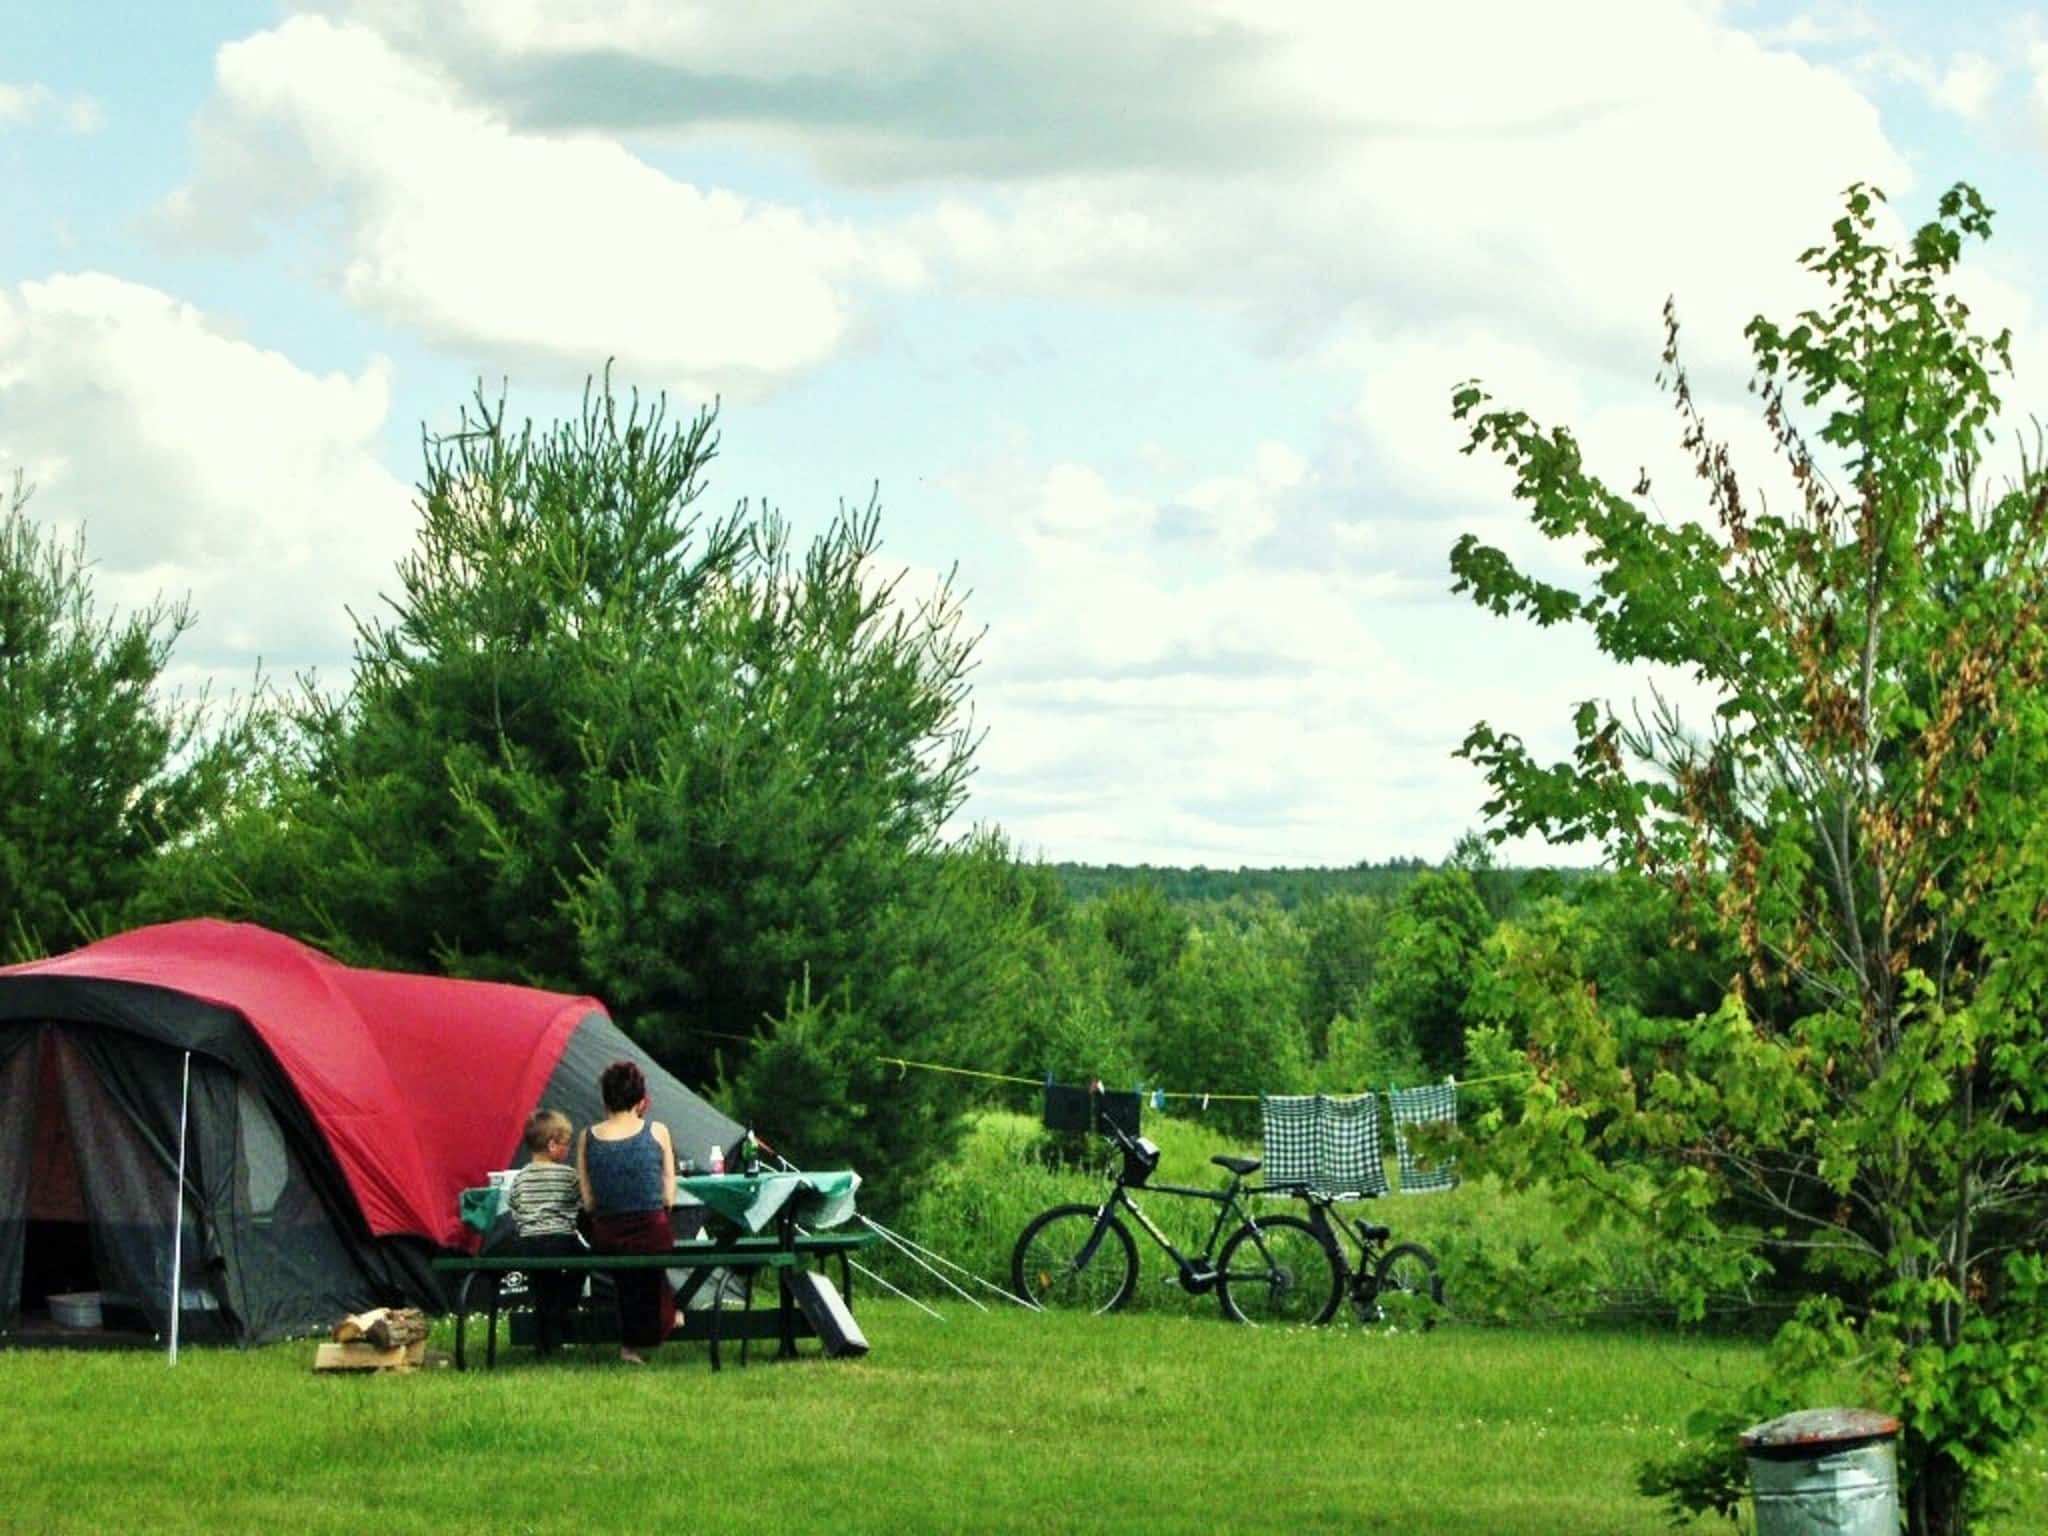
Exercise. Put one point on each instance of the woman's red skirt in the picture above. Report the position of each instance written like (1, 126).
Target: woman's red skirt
(647, 1302)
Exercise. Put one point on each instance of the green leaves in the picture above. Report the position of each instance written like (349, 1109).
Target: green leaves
(608, 742)
(99, 769)
(1856, 815)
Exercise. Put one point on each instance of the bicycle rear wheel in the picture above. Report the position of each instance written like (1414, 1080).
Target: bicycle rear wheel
(1278, 1269)
(1054, 1266)
(1406, 1288)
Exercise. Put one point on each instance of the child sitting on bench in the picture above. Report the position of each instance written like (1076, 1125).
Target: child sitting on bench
(544, 1202)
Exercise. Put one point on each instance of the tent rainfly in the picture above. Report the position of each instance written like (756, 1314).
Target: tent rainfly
(331, 1117)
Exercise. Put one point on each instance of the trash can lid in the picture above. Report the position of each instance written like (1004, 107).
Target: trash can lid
(1811, 1429)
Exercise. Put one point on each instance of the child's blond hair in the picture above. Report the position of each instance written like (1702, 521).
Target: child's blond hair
(543, 1126)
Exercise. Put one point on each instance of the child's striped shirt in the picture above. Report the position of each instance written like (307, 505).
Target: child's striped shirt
(544, 1201)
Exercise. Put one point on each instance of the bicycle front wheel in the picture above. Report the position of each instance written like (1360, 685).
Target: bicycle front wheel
(1056, 1265)
(1278, 1269)
(1407, 1288)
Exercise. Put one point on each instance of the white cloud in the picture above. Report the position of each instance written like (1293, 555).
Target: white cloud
(1238, 513)
(1230, 669)
(23, 105)
(1164, 696)
(200, 465)
(2037, 61)
(508, 247)
(19, 102)
(1268, 665)
(1075, 506)
(1302, 164)
(916, 88)
(1413, 451)
(1887, 48)
(1256, 720)
(1831, 23)
(1967, 85)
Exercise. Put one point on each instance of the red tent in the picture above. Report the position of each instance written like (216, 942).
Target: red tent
(420, 1084)
(408, 1088)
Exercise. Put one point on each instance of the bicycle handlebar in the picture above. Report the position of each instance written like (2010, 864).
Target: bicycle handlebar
(1116, 1133)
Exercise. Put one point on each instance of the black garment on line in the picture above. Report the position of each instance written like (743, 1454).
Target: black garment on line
(1070, 1108)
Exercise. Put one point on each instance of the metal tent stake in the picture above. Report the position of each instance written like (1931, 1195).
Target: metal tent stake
(178, 1211)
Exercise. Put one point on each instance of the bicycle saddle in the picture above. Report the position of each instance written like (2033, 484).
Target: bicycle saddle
(1237, 1165)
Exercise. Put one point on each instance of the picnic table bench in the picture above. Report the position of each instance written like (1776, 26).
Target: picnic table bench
(744, 1257)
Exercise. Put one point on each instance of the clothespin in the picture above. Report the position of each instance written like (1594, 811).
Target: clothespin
(1095, 1085)
(1205, 1101)
(1159, 1098)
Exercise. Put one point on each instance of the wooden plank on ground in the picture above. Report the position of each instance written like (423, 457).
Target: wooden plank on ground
(362, 1355)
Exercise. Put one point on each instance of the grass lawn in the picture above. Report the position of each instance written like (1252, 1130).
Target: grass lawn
(1004, 1421)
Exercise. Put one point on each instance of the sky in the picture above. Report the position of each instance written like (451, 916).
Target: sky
(1142, 319)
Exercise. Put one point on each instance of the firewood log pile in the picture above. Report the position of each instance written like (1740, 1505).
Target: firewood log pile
(384, 1339)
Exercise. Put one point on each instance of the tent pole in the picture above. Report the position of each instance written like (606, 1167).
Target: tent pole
(178, 1211)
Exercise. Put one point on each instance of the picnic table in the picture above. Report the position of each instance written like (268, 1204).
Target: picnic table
(754, 1222)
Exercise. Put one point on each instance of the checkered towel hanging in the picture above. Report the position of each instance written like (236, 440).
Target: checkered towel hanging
(1329, 1145)
(1436, 1104)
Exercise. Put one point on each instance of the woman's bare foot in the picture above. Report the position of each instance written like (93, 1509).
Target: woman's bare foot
(630, 1358)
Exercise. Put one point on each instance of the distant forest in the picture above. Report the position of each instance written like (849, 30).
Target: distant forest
(1288, 889)
(1284, 888)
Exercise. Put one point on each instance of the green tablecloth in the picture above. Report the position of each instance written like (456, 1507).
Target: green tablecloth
(479, 1207)
(751, 1202)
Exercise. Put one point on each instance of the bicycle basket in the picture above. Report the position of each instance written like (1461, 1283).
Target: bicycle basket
(1140, 1158)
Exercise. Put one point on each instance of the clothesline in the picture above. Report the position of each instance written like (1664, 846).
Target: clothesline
(1158, 1097)
(1326, 1143)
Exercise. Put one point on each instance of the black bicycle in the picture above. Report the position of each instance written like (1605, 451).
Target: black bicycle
(1271, 1269)
(1397, 1284)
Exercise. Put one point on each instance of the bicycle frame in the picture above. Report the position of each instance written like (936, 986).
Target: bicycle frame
(1370, 1238)
(1365, 1280)
(1197, 1273)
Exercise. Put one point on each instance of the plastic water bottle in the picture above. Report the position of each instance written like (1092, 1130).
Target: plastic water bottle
(717, 1160)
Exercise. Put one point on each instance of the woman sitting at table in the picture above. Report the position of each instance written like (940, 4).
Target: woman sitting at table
(627, 1166)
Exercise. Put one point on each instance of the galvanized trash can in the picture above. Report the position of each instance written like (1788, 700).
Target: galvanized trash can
(1825, 1470)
